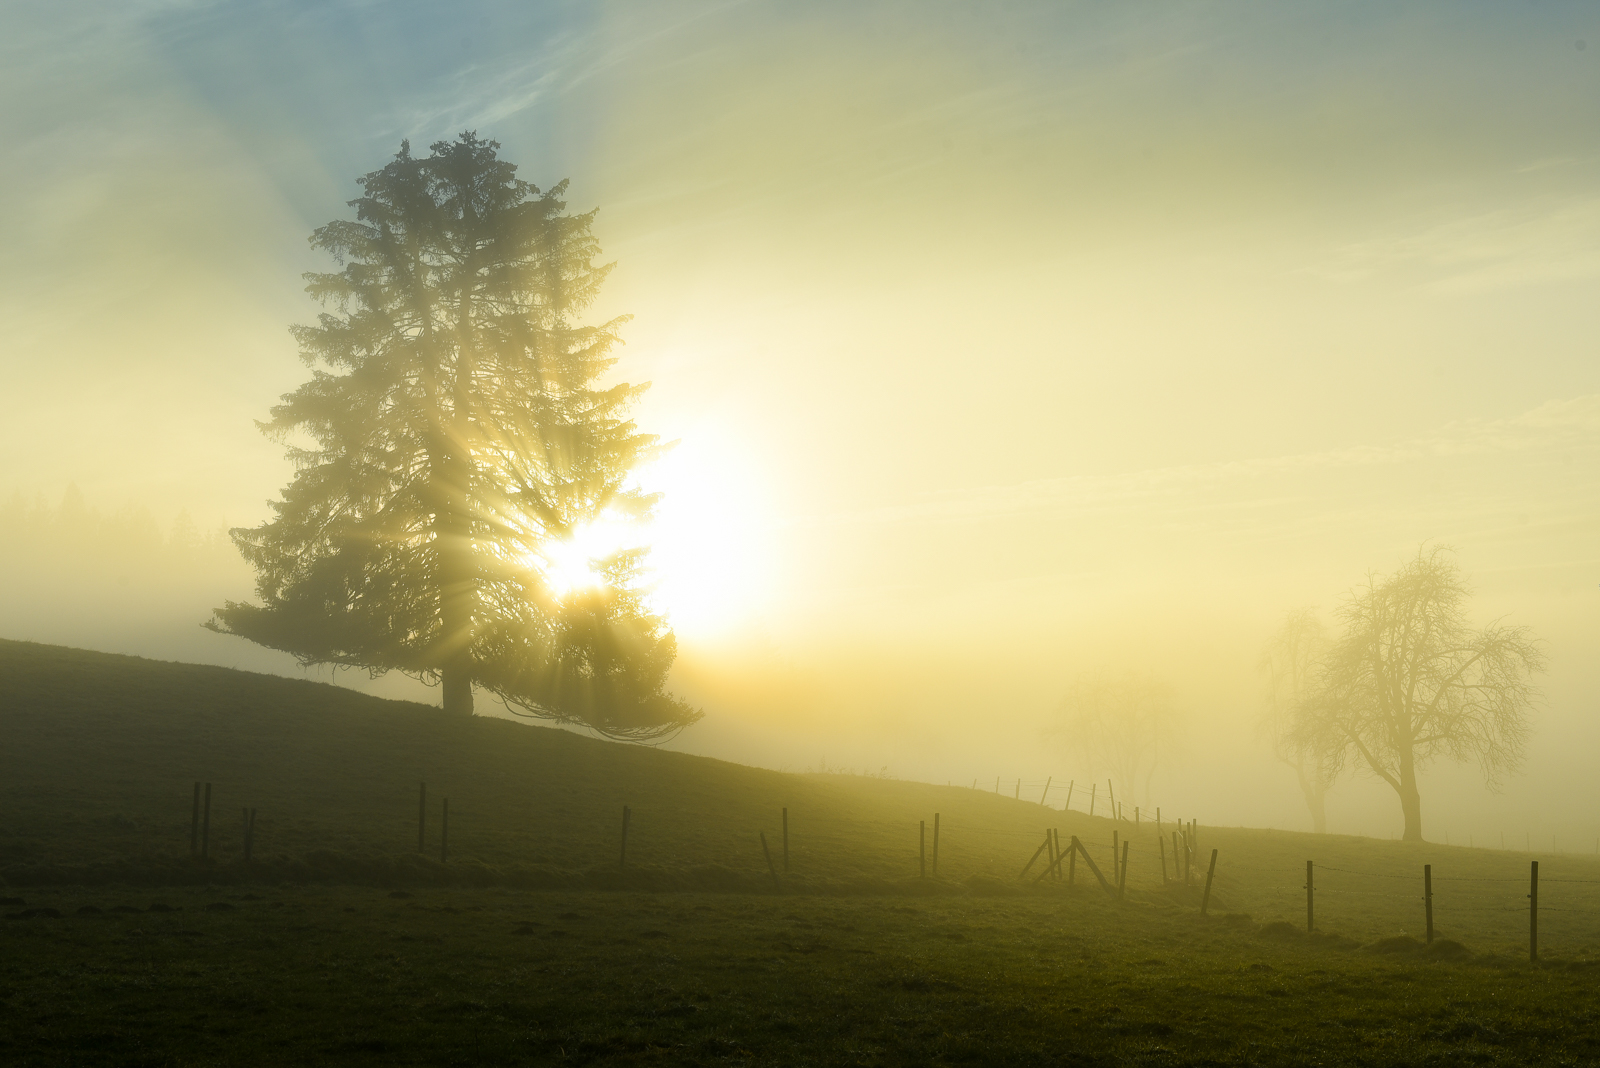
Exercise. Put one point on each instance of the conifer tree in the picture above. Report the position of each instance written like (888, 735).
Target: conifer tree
(462, 442)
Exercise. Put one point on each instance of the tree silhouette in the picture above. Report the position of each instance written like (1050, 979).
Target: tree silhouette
(1118, 723)
(462, 449)
(1290, 662)
(1409, 681)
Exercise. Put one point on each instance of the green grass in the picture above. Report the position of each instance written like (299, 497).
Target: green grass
(531, 946)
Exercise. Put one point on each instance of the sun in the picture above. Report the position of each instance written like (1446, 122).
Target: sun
(574, 564)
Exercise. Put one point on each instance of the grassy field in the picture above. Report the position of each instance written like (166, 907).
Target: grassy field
(531, 945)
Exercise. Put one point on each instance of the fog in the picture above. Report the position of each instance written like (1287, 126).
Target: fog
(1005, 348)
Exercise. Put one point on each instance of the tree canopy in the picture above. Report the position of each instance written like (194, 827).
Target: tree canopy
(451, 447)
(1410, 681)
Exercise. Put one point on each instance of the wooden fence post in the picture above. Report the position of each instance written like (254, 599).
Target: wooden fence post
(194, 825)
(1135, 817)
(444, 833)
(422, 816)
(1072, 867)
(1048, 780)
(785, 840)
(770, 869)
(205, 827)
(1093, 790)
(1073, 782)
(1533, 913)
(935, 845)
(1427, 898)
(1111, 795)
(1042, 847)
(1077, 847)
(1211, 872)
(922, 849)
(1122, 879)
(1309, 893)
(1162, 842)
(1114, 863)
(627, 818)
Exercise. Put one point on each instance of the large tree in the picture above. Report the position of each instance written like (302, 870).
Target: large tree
(1410, 681)
(452, 447)
(1290, 662)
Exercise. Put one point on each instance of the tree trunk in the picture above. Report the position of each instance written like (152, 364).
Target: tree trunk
(457, 690)
(1315, 796)
(1410, 800)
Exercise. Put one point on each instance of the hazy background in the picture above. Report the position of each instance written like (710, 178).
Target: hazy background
(1007, 343)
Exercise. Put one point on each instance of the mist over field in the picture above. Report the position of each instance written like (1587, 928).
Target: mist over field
(1005, 348)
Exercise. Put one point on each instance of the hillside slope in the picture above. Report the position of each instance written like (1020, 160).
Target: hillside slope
(98, 754)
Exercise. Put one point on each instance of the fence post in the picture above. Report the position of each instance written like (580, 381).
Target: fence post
(1042, 847)
(785, 839)
(1115, 864)
(205, 827)
(1072, 867)
(1135, 817)
(935, 845)
(922, 849)
(1308, 897)
(1162, 842)
(444, 833)
(1211, 872)
(627, 818)
(1018, 794)
(1073, 782)
(1427, 898)
(1533, 913)
(1122, 879)
(194, 825)
(1048, 780)
(1111, 795)
(1093, 790)
(770, 869)
(422, 816)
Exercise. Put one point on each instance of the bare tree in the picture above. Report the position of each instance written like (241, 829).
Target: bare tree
(1290, 662)
(1119, 724)
(1409, 681)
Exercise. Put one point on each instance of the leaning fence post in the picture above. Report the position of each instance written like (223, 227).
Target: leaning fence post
(1073, 782)
(1533, 913)
(1042, 847)
(1077, 847)
(1309, 892)
(1122, 879)
(935, 845)
(1094, 789)
(922, 849)
(1427, 898)
(1048, 780)
(1211, 872)
(205, 826)
(770, 869)
(627, 817)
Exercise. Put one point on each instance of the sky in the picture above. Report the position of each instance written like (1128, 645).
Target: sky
(1006, 344)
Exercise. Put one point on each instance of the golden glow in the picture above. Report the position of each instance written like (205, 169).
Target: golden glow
(576, 563)
(710, 555)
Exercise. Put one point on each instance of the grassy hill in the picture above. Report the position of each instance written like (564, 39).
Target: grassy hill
(98, 754)
(340, 944)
